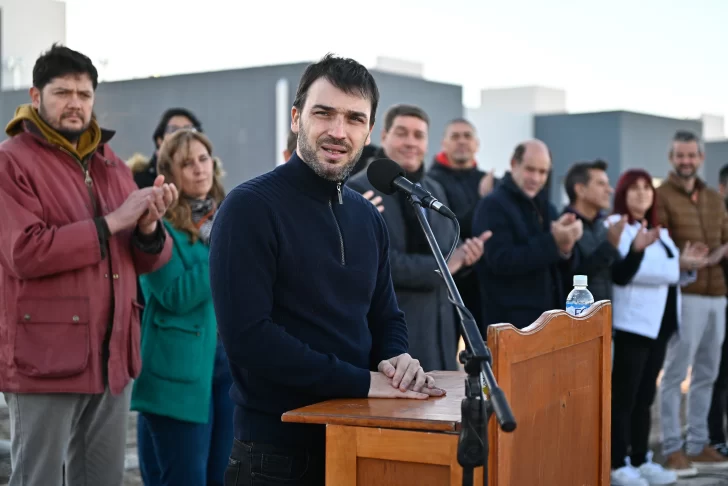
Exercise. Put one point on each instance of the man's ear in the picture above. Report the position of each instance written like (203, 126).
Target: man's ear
(295, 119)
(34, 97)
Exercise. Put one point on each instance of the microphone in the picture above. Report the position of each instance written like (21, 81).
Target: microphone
(388, 177)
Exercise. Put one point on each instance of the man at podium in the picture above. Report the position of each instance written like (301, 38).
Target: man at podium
(302, 287)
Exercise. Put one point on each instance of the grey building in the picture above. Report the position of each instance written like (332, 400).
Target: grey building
(624, 139)
(716, 156)
(245, 112)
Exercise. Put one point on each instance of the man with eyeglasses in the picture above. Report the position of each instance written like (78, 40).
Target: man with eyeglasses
(145, 171)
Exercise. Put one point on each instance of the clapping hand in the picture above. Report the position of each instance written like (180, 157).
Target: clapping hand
(615, 229)
(645, 237)
(717, 255)
(567, 230)
(374, 199)
(694, 256)
(161, 198)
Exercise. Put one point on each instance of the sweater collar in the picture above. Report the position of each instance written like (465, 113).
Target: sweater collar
(300, 175)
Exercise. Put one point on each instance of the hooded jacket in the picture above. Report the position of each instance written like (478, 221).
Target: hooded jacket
(69, 320)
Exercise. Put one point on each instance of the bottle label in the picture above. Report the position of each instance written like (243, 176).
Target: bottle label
(576, 309)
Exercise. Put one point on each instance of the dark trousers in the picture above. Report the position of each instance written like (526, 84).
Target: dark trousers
(637, 362)
(174, 452)
(719, 404)
(256, 464)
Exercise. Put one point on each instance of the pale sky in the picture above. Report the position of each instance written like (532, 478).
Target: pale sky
(666, 57)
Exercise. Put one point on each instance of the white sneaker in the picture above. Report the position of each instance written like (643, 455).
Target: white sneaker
(655, 474)
(627, 475)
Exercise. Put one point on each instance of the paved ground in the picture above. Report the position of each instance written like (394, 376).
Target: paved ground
(132, 472)
(716, 479)
(131, 478)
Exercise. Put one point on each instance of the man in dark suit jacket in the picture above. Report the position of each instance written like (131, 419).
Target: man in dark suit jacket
(520, 272)
(422, 293)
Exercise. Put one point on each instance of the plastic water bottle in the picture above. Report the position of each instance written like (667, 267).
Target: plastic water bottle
(579, 299)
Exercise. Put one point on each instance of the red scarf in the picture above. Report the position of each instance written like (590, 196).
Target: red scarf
(441, 158)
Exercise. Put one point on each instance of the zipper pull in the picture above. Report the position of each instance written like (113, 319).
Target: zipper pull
(338, 189)
(88, 180)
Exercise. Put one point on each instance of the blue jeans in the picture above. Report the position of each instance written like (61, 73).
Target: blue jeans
(256, 464)
(173, 452)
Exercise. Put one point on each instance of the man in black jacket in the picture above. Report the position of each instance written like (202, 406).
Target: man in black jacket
(520, 273)
(587, 185)
(456, 169)
(421, 293)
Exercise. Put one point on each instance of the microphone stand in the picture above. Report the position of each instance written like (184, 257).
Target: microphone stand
(476, 408)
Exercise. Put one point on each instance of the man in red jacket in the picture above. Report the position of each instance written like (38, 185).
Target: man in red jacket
(75, 234)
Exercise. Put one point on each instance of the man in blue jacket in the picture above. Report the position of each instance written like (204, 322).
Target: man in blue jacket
(520, 272)
(301, 282)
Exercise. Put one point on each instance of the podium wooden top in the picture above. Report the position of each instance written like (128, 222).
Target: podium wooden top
(434, 414)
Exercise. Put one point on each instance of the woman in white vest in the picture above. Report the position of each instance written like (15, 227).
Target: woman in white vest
(645, 312)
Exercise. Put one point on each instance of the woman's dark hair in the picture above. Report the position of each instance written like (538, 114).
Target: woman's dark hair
(627, 180)
(60, 61)
(168, 115)
(346, 74)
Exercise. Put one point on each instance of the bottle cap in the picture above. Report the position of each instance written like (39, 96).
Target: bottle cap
(580, 280)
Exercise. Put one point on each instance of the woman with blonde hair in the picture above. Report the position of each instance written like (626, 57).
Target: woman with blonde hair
(185, 414)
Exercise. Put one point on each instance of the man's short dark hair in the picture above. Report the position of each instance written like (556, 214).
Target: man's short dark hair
(60, 61)
(580, 173)
(168, 115)
(723, 175)
(292, 142)
(346, 74)
(687, 136)
(404, 110)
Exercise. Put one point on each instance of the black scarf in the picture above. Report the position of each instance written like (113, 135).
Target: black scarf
(200, 209)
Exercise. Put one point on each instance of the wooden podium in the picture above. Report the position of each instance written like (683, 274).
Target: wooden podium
(557, 376)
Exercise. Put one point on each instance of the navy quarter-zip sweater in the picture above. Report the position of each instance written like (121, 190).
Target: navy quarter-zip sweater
(302, 288)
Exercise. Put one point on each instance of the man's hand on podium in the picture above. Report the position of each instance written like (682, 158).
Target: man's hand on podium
(402, 377)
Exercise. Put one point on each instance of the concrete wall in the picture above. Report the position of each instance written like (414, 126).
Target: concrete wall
(624, 139)
(646, 141)
(573, 138)
(716, 156)
(505, 118)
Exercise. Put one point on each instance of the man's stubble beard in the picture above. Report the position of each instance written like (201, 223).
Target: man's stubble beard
(693, 173)
(70, 135)
(323, 169)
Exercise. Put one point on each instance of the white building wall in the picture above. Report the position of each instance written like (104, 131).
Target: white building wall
(505, 118)
(29, 27)
(713, 127)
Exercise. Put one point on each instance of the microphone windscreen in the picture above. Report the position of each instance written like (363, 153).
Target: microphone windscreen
(382, 172)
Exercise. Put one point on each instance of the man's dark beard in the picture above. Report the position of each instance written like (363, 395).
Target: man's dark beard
(308, 154)
(692, 173)
(70, 135)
